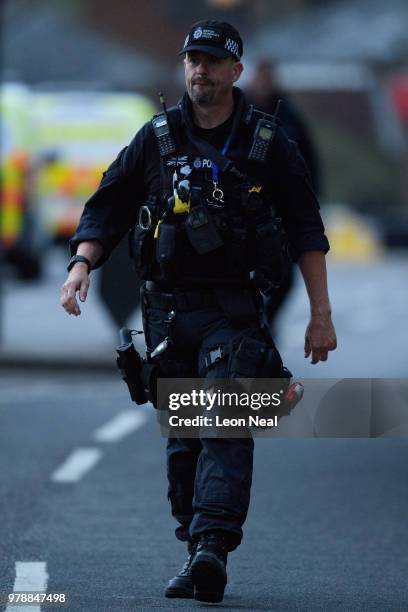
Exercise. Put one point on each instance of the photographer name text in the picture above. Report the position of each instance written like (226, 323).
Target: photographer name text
(217, 421)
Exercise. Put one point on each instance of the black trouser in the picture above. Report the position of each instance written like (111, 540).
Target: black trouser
(209, 478)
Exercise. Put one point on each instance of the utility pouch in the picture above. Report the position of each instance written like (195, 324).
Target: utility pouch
(166, 244)
(271, 256)
(272, 366)
(141, 251)
(201, 230)
(252, 199)
(244, 361)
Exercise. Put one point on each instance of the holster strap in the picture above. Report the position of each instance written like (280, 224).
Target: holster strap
(216, 354)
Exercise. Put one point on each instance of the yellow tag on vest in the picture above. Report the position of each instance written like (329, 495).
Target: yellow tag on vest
(156, 231)
(179, 206)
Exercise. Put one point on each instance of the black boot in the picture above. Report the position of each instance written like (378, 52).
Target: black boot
(208, 568)
(181, 585)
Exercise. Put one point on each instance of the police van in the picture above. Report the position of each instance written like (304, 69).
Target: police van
(55, 146)
(77, 135)
(20, 240)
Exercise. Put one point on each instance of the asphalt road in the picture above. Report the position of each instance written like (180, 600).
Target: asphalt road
(326, 529)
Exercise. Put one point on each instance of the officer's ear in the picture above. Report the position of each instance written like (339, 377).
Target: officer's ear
(237, 69)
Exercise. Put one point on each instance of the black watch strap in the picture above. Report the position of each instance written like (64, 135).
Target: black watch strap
(79, 258)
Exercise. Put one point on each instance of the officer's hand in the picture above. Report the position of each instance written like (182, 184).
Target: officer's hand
(320, 338)
(78, 280)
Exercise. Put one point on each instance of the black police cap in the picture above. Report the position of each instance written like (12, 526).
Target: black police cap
(214, 37)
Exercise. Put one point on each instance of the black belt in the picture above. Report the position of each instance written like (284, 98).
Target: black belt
(179, 300)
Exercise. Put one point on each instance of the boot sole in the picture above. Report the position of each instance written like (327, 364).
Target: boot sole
(178, 594)
(209, 581)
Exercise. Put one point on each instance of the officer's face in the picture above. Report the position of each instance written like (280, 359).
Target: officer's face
(209, 79)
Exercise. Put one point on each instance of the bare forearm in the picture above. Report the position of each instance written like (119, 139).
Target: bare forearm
(91, 249)
(78, 277)
(320, 334)
(313, 267)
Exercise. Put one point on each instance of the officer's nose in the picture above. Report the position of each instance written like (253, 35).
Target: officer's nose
(201, 68)
(202, 65)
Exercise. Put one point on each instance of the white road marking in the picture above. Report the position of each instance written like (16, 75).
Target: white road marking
(76, 465)
(30, 576)
(120, 426)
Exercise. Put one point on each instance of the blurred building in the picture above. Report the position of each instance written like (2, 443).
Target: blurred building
(41, 45)
(339, 60)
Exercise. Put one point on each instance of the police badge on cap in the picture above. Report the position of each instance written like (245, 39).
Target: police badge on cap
(214, 37)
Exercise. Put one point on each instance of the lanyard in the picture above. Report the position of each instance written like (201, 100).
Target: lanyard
(218, 194)
(214, 167)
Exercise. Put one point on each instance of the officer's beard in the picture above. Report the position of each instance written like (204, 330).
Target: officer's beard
(203, 97)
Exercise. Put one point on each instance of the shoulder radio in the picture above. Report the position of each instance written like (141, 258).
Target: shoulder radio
(162, 131)
(263, 136)
(163, 135)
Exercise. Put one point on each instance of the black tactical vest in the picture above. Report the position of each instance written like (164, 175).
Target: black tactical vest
(170, 248)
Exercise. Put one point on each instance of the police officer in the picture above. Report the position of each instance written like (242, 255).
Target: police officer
(203, 187)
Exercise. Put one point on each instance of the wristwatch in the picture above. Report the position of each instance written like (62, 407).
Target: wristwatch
(79, 258)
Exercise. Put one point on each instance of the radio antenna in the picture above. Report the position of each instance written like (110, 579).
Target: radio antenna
(162, 102)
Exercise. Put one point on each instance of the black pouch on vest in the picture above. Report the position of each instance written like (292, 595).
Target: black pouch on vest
(252, 201)
(201, 231)
(269, 241)
(166, 243)
(141, 250)
(270, 256)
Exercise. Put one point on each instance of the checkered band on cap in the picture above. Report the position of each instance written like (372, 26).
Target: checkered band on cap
(217, 36)
(232, 46)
